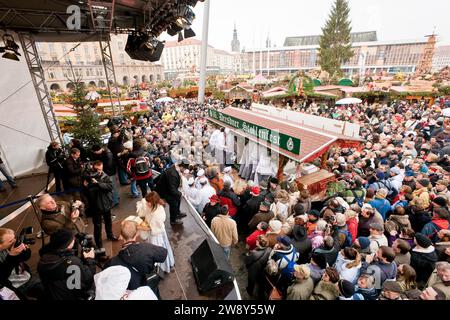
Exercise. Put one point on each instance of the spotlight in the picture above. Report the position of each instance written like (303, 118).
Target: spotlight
(185, 16)
(174, 29)
(11, 48)
(189, 33)
(144, 47)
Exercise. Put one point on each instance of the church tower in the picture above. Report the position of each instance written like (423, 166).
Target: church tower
(235, 44)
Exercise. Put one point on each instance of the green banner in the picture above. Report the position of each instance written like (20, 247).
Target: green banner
(276, 138)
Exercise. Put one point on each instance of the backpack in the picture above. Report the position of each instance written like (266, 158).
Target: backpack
(358, 200)
(288, 271)
(348, 238)
(141, 166)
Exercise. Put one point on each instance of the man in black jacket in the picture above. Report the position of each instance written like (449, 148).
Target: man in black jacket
(73, 171)
(139, 258)
(64, 275)
(55, 157)
(100, 190)
(109, 167)
(168, 185)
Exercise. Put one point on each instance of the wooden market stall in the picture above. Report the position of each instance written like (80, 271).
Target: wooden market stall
(291, 141)
(238, 94)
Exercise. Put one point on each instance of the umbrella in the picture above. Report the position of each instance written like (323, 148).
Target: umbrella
(165, 99)
(446, 112)
(349, 101)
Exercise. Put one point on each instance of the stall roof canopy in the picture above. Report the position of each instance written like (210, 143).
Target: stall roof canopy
(46, 19)
(312, 140)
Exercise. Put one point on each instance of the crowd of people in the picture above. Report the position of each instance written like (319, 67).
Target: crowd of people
(383, 235)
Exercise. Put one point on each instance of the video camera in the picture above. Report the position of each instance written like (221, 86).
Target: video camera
(26, 237)
(87, 243)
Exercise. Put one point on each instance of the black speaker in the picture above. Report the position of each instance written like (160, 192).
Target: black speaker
(211, 267)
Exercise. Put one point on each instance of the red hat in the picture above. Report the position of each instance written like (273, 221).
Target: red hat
(214, 198)
(255, 190)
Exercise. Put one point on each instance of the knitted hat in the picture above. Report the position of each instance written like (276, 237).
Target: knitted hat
(409, 174)
(255, 191)
(304, 269)
(299, 232)
(273, 180)
(340, 219)
(299, 209)
(346, 288)
(265, 204)
(314, 213)
(275, 226)
(440, 201)
(392, 286)
(319, 259)
(380, 175)
(364, 242)
(214, 198)
(424, 182)
(395, 170)
(423, 241)
(284, 240)
(61, 239)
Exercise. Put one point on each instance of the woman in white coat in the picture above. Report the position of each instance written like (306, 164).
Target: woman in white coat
(151, 209)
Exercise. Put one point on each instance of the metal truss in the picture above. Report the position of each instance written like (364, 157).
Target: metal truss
(110, 74)
(38, 78)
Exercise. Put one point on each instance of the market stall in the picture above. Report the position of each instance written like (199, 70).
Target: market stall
(285, 142)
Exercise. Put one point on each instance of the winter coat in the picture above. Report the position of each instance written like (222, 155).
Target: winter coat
(300, 289)
(272, 237)
(397, 222)
(365, 294)
(251, 207)
(423, 261)
(251, 239)
(282, 257)
(54, 272)
(260, 217)
(435, 281)
(352, 227)
(302, 244)
(216, 183)
(377, 241)
(168, 184)
(256, 262)
(225, 230)
(325, 291)
(388, 271)
(330, 254)
(316, 272)
(210, 212)
(364, 225)
(382, 206)
(155, 219)
(350, 274)
(100, 194)
(72, 173)
(316, 239)
(423, 194)
(229, 198)
(402, 258)
(140, 259)
(432, 228)
(131, 169)
(55, 159)
(52, 221)
(444, 194)
(8, 263)
(418, 218)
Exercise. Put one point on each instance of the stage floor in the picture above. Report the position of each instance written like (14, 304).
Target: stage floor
(177, 285)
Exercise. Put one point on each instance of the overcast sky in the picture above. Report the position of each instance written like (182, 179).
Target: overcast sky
(392, 19)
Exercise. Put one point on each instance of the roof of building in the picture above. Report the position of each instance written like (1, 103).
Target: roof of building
(312, 139)
(315, 39)
(219, 51)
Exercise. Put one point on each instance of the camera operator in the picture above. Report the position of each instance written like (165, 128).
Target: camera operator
(100, 194)
(139, 258)
(14, 273)
(55, 157)
(59, 215)
(64, 275)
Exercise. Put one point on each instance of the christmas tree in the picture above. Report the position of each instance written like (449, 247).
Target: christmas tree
(86, 126)
(335, 46)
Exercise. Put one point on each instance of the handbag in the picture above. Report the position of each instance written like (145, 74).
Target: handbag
(275, 294)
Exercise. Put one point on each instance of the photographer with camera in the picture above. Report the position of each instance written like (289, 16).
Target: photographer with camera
(73, 169)
(99, 189)
(64, 275)
(59, 215)
(139, 258)
(14, 273)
